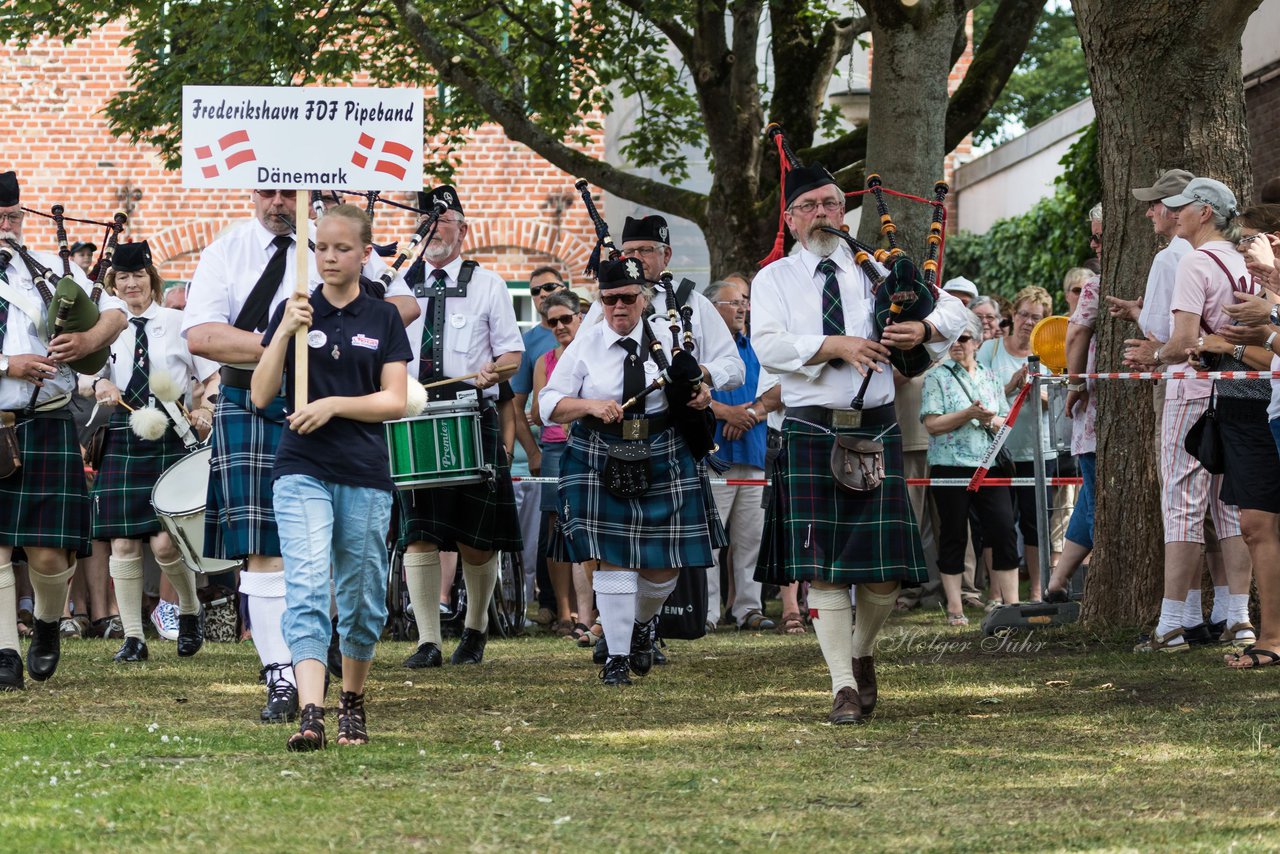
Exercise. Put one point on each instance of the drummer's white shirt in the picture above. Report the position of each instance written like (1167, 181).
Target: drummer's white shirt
(20, 331)
(165, 349)
(231, 265)
(786, 329)
(714, 347)
(591, 368)
(478, 328)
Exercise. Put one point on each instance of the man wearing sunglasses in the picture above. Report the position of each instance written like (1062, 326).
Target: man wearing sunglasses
(814, 327)
(468, 326)
(241, 278)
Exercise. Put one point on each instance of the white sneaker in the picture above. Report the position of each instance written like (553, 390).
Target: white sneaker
(165, 618)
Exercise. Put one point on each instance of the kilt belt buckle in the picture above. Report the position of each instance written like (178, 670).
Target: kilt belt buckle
(8, 419)
(634, 429)
(847, 418)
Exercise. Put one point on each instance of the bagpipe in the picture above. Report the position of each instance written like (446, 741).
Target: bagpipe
(68, 308)
(900, 294)
(680, 377)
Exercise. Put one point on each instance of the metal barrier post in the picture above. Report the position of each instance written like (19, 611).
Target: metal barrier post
(1042, 503)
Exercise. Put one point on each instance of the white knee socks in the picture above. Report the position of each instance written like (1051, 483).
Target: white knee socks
(651, 594)
(422, 577)
(834, 627)
(126, 574)
(480, 583)
(51, 593)
(266, 606)
(184, 582)
(616, 600)
(8, 608)
(873, 610)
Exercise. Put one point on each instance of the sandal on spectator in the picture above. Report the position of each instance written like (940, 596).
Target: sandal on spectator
(351, 721)
(562, 628)
(792, 624)
(310, 734)
(581, 634)
(755, 621)
(1250, 654)
(1171, 642)
(957, 620)
(26, 620)
(1239, 635)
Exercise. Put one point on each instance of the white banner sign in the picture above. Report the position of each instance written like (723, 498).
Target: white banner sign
(295, 138)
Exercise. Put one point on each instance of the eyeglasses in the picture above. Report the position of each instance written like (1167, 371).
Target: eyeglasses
(271, 194)
(1077, 290)
(1034, 318)
(806, 208)
(16, 216)
(964, 339)
(614, 299)
(562, 320)
(1095, 238)
(642, 250)
(546, 289)
(736, 303)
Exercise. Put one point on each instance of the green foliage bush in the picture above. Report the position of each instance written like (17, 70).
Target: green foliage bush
(1039, 246)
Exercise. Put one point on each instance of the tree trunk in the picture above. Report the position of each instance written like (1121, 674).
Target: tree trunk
(1168, 93)
(906, 135)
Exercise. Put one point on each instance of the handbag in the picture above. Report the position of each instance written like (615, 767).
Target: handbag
(1204, 439)
(626, 471)
(857, 463)
(10, 452)
(1003, 465)
(684, 614)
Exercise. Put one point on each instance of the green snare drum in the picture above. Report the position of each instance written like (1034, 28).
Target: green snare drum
(440, 447)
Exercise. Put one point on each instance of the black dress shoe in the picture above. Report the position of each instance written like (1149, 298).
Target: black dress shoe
(659, 657)
(133, 649)
(600, 652)
(190, 633)
(1056, 597)
(42, 654)
(1199, 635)
(282, 697)
(335, 652)
(642, 648)
(846, 709)
(10, 670)
(615, 671)
(470, 649)
(1216, 630)
(427, 655)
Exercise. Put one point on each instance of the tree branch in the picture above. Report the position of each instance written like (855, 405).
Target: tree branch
(518, 125)
(993, 62)
(681, 38)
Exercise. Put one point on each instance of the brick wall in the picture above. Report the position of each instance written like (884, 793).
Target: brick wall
(1262, 111)
(53, 94)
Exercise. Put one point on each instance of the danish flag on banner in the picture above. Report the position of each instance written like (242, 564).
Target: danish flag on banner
(234, 148)
(393, 160)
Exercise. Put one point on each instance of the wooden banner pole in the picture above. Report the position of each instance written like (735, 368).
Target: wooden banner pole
(302, 258)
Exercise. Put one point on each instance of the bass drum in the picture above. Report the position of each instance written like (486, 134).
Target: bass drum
(179, 499)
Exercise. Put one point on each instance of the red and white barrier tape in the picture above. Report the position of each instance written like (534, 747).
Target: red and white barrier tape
(1175, 375)
(998, 442)
(911, 481)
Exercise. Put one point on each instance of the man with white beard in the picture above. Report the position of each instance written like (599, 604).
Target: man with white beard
(812, 314)
(468, 326)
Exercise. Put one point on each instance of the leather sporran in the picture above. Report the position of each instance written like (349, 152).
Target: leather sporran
(626, 472)
(857, 463)
(95, 447)
(10, 452)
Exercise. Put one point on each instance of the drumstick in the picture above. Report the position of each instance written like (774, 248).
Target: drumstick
(502, 369)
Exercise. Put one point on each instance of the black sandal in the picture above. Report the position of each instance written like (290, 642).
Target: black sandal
(310, 734)
(351, 720)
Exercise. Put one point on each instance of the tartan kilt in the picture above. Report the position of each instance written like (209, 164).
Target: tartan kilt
(665, 528)
(480, 515)
(238, 518)
(815, 531)
(45, 503)
(130, 468)
(719, 536)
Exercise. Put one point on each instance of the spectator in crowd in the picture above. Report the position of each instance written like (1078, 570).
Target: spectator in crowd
(962, 405)
(988, 311)
(1006, 358)
(961, 288)
(1073, 284)
(741, 435)
(560, 312)
(175, 295)
(82, 254)
(1206, 283)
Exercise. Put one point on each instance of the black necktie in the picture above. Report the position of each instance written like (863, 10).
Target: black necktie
(632, 370)
(431, 354)
(832, 309)
(136, 394)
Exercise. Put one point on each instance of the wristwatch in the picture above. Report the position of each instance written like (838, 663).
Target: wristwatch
(1275, 315)
(4, 366)
(1270, 341)
(1075, 386)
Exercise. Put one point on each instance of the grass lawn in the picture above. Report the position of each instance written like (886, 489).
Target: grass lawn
(1065, 741)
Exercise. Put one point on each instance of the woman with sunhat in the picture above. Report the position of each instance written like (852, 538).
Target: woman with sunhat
(151, 344)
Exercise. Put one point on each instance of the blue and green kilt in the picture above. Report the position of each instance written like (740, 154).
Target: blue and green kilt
(815, 531)
(45, 503)
(480, 515)
(129, 471)
(719, 536)
(238, 519)
(665, 528)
